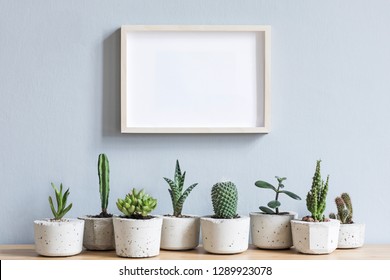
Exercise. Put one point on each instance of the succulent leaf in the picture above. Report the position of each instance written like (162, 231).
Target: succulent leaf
(61, 200)
(273, 204)
(266, 210)
(291, 194)
(265, 185)
(136, 204)
(176, 193)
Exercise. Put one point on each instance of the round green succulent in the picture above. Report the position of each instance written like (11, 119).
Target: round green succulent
(136, 204)
(224, 197)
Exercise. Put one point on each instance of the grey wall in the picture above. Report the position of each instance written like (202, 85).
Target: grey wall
(59, 108)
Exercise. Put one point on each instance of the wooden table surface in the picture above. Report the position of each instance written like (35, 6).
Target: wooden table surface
(367, 252)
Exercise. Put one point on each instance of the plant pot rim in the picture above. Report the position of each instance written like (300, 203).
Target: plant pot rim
(210, 218)
(154, 217)
(90, 217)
(331, 221)
(185, 216)
(286, 213)
(354, 224)
(51, 221)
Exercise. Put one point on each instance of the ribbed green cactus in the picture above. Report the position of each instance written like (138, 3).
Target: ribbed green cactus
(136, 204)
(224, 198)
(61, 198)
(316, 197)
(177, 195)
(344, 209)
(104, 183)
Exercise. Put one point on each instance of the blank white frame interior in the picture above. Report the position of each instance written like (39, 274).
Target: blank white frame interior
(195, 79)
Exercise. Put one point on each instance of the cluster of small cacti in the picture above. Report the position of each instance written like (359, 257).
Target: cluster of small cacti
(316, 197)
(344, 209)
(61, 199)
(176, 190)
(136, 204)
(224, 198)
(104, 183)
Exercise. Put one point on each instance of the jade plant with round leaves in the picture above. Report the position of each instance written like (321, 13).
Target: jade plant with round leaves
(275, 203)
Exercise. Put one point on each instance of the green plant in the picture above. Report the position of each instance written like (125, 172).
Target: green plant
(176, 190)
(316, 197)
(104, 183)
(344, 209)
(274, 204)
(224, 198)
(136, 204)
(61, 198)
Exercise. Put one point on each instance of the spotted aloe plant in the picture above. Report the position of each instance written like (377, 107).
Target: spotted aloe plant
(178, 196)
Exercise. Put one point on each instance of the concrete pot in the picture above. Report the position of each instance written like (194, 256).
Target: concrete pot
(351, 236)
(315, 237)
(98, 233)
(58, 238)
(180, 233)
(225, 236)
(272, 231)
(137, 238)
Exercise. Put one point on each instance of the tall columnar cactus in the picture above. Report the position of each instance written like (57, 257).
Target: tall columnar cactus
(137, 204)
(224, 198)
(104, 183)
(344, 209)
(316, 197)
(176, 190)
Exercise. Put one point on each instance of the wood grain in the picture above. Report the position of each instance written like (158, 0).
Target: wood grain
(367, 252)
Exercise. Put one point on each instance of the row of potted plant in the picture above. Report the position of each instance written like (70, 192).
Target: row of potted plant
(137, 233)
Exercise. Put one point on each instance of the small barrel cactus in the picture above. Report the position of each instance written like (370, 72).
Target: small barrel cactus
(316, 197)
(224, 198)
(136, 204)
(344, 209)
(104, 183)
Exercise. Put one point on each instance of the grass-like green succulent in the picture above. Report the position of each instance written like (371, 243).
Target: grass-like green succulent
(176, 190)
(137, 204)
(275, 204)
(61, 199)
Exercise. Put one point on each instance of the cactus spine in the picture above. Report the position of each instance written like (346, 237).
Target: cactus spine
(344, 209)
(316, 197)
(176, 190)
(224, 198)
(104, 183)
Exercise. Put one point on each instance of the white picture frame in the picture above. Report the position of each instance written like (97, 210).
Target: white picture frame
(195, 78)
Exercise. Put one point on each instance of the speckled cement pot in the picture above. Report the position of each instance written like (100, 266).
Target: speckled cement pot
(272, 231)
(137, 238)
(225, 236)
(98, 233)
(315, 237)
(351, 236)
(58, 238)
(180, 233)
